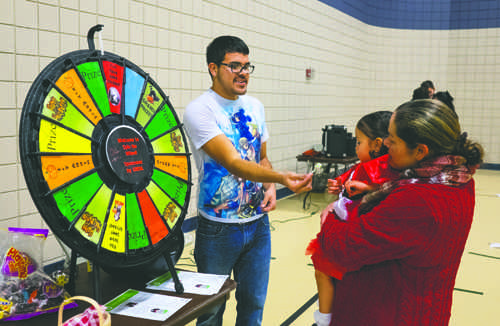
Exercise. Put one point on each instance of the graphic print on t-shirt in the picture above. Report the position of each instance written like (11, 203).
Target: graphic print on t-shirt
(228, 196)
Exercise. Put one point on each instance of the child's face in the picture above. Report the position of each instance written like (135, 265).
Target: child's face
(363, 146)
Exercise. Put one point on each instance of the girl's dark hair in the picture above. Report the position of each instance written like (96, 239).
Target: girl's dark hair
(376, 125)
(432, 123)
(217, 49)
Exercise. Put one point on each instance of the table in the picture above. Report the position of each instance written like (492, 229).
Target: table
(311, 160)
(335, 161)
(112, 286)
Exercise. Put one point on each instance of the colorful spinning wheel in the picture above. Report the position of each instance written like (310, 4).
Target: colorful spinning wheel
(105, 158)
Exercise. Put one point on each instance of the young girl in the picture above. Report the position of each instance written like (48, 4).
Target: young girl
(372, 171)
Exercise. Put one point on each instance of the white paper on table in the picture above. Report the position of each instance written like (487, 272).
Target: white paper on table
(197, 283)
(145, 305)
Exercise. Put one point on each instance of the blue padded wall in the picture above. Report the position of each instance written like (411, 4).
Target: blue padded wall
(422, 14)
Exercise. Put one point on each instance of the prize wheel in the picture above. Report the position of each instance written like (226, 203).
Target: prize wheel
(105, 159)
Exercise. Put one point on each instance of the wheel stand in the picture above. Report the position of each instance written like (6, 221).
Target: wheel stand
(95, 277)
(179, 288)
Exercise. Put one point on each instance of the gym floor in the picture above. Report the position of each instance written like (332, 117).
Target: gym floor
(292, 286)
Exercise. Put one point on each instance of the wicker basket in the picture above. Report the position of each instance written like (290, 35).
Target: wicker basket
(104, 317)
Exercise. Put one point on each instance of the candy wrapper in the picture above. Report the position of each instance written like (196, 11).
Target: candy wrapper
(25, 290)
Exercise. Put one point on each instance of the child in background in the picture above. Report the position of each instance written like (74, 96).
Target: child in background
(372, 171)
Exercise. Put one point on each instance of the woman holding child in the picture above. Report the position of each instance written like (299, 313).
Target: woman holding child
(398, 255)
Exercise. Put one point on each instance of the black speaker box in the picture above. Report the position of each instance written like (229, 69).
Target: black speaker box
(335, 141)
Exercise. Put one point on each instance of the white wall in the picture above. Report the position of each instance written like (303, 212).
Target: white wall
(357, 69)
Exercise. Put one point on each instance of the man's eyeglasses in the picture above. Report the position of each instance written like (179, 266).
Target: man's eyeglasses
(238, 68)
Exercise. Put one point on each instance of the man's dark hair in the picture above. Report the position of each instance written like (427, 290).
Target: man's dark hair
(217, 49)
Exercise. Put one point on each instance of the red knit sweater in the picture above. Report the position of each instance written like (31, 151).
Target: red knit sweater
(376, 171)
(399, 261)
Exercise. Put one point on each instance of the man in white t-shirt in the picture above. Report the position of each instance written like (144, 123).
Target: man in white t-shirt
(236, 180)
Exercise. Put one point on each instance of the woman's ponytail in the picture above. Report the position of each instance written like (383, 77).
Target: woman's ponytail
(472, 151)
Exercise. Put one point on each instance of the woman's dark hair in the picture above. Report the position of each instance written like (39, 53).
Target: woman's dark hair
(376, 125)
(217, 49)
(432, 123)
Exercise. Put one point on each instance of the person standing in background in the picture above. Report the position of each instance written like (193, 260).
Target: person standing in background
(425, 91)
(428, 85)
(236, 180)
(446, 98)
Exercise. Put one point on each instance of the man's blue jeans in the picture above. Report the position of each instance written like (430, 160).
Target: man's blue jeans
(244, 249)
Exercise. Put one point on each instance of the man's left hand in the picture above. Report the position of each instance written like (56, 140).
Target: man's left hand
(269, 201)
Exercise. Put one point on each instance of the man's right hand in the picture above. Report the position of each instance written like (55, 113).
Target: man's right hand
(298, 182)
